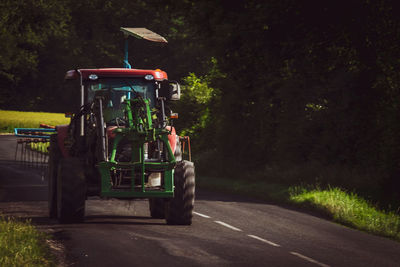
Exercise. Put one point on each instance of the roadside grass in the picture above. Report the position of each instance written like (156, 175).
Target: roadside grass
(306, 187)
(342, 207)
(348, 209)
(22, 245)
(22, 119)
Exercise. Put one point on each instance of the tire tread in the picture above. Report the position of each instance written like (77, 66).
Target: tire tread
(179, 210)
(71, 193)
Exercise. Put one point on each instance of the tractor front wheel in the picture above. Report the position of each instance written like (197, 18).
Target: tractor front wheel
(179, 210)
(71, 190)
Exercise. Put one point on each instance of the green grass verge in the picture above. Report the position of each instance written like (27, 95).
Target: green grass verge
(343, 207)
(22, 245)
(21, 119)
(349, 209)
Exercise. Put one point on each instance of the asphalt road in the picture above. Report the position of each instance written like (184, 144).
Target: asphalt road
(226, 230)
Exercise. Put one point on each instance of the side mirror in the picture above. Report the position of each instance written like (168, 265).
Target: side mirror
(171, 90)
(175, 90)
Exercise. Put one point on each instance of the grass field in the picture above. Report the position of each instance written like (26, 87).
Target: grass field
(21, 119)
(22, 245)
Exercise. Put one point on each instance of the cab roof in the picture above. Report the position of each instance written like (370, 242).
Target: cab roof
(158, 74)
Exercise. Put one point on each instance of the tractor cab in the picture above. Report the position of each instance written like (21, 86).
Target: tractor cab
(117, 86)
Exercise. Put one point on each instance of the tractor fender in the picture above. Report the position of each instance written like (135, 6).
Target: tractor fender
(172, 138)
(62, 133)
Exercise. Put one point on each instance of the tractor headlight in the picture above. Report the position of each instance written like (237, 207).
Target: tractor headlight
(149, 77)
(93, 77)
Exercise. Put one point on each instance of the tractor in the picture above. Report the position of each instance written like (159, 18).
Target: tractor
(120, 143)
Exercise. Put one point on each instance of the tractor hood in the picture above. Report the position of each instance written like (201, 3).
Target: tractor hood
(158, 74)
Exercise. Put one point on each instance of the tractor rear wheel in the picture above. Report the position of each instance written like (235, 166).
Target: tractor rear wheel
(179, 210)
(157, 208)
(71, 190)
(54, 157)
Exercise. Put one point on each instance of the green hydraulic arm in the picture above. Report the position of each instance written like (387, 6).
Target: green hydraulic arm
(139, 130)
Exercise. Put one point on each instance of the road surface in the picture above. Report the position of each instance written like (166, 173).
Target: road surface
(226, 230)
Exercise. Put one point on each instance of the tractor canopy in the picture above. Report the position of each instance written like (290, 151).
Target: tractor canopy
(93, 74)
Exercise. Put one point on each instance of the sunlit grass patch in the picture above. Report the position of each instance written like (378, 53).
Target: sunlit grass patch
(349, 209)
(343, 207)
(21, 119)
(22, 245)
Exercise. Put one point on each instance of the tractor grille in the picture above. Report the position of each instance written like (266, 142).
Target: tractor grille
(122, 180)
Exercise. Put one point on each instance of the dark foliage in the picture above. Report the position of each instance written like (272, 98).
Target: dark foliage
(297, 82)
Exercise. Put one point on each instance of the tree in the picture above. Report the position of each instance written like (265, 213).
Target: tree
(25, 28)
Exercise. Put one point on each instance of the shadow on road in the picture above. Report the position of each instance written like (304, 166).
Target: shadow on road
(122, 220)
(93, 220)
(206, 195)
(21, 183)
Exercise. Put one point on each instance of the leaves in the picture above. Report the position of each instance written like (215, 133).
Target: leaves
(25, 27)
(269, 81)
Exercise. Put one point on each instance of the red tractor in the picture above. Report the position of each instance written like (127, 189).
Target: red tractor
(120, 144)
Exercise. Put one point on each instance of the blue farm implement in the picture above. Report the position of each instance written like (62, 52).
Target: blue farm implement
(31, 146)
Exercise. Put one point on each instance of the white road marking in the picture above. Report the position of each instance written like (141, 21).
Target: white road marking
(264, 240)
(309, 259)
(202, 215)
(228, 226)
